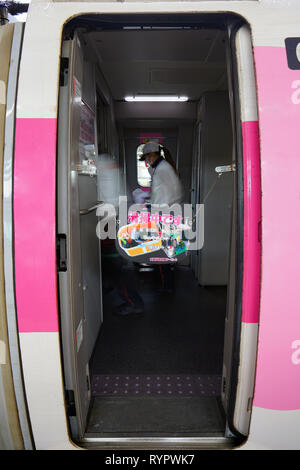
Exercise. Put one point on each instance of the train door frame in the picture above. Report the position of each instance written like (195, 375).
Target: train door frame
(275, 413)
(241, 324)
(234, 383)
(79, 286)
(19, 432)
(39, 115)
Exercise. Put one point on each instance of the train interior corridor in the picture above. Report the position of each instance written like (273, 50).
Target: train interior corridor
(159, 372)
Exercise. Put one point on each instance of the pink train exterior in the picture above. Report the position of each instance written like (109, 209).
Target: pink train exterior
(271, 294)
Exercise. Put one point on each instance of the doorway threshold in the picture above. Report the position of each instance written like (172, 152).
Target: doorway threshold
(154, 423)
(157, 443)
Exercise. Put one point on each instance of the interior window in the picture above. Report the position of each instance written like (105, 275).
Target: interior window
(143, 175)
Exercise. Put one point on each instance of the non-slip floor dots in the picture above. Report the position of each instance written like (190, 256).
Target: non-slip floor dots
(156, 385)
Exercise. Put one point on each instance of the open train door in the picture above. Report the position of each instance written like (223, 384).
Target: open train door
(77, 245)
(15, 430)
(241, 323)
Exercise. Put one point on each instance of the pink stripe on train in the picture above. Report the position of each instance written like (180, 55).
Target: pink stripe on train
(35, 225)
(278, 373)
(34, 207)
(252, 218)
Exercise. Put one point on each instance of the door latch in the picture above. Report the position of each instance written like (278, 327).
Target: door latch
(61, 252)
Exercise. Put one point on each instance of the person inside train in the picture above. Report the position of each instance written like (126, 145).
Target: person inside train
(166, 190)
(118, 275)
(165, 185)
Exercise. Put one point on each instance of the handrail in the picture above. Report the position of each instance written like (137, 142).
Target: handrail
(92, 208)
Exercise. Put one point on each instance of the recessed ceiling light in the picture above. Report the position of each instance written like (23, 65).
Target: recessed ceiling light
(156, 98)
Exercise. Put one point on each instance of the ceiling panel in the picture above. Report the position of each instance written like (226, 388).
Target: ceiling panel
(184, 45)
(182, 61)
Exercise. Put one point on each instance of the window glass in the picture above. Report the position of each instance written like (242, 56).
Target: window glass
(143, 175)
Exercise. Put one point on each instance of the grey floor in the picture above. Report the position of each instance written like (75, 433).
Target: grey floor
(179, 334)
(163, 416)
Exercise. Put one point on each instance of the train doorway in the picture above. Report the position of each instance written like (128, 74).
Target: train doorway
(169, 369)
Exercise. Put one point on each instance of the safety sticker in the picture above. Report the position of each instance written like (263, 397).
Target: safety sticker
(159, 233)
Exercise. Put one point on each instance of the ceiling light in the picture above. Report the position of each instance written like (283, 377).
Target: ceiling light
(156, 98)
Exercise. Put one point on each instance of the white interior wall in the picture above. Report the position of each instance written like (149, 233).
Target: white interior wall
(91, 262)
(215, 150)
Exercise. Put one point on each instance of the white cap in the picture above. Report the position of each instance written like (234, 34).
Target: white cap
(150, 147)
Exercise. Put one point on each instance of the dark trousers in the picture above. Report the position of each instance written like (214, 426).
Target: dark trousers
(166, 276)
(127, 287)
(120, 275)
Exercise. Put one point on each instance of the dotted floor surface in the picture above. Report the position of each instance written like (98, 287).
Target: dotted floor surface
(156, 385)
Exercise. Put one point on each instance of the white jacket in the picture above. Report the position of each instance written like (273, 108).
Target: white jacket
(166, 187)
